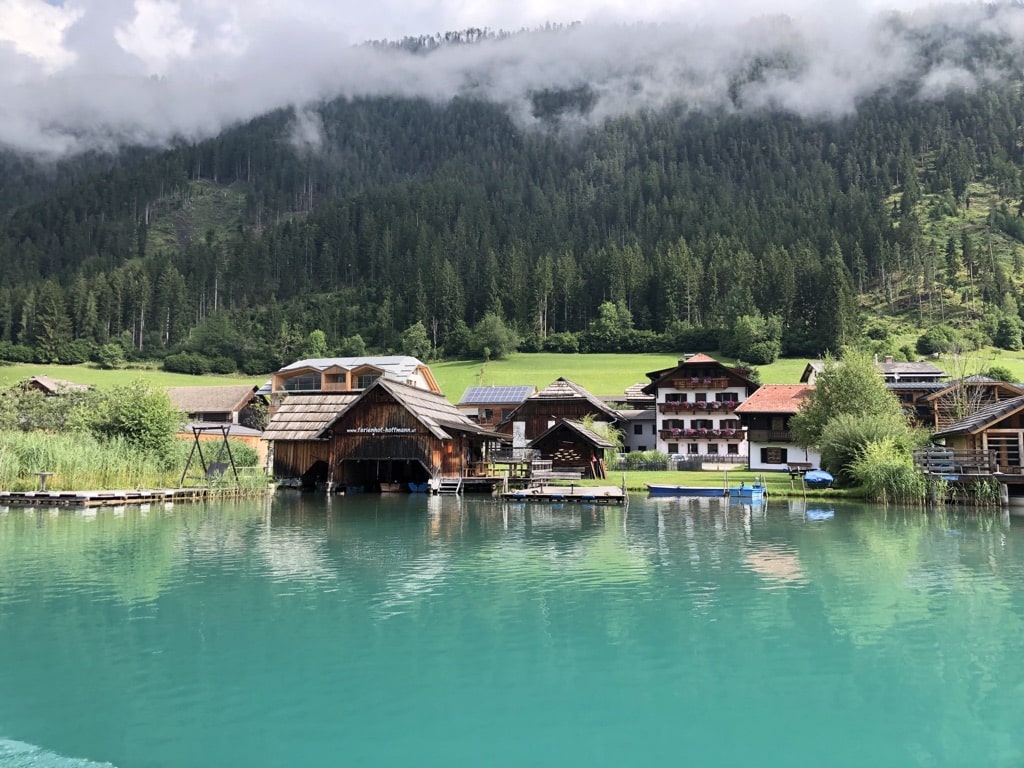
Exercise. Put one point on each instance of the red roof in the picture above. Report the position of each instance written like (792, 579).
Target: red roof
(775, 398)
(700, 357)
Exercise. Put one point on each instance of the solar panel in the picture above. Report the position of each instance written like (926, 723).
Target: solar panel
(499, 394)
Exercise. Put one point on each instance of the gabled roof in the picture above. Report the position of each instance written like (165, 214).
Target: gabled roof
(563, 389)
(776, 398)
(699, 359)
(975, 382)
(55, 386)
(811, 370)
(397, 367)
(577, 427)
(895, 369)
(983, 418)
(496, 395)
(303, 417)
(430, 408)
(226, 399)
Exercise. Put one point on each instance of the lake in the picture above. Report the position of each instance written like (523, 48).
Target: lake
(409, 630)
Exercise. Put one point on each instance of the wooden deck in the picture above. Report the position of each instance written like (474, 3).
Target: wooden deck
(598, 494)
(104, 498)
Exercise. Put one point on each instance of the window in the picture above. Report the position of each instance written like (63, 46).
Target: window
(701, 397)
(733, 449)
(692, 449)
(712, 447)
(638, 429)
(304, 382)
(726, 397)
(778, 424)
(774, 455)
(675, 397)
(366, 379)
(673, 447)
(729, 424)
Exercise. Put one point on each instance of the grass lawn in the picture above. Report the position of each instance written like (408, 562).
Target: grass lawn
(12, 373)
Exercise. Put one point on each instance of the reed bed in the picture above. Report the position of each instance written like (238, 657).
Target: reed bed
(81, 462)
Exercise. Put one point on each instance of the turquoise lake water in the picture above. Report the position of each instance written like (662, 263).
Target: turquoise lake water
(423, 631)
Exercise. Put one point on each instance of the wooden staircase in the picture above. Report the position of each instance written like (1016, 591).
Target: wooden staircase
(450, 485)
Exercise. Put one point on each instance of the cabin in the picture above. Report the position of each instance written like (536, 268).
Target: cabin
(696, 403)
(573, 450)
(765, 415)
(385, 437)
(222, 405)
(994, 432)
(53, 387)
(958, 400)
(346, 374)
(489, 406)
(560, 400)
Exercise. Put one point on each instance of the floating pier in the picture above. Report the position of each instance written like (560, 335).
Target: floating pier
(598, 494)
(104, 498)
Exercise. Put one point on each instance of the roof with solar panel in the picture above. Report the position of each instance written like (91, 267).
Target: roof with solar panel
(496, 394)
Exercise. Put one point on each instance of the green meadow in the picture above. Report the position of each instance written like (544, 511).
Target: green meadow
(600, 374)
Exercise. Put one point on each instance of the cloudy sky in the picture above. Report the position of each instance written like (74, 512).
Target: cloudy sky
(81, 73)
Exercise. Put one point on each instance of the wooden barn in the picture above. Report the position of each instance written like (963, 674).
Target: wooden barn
(560, 400)
(994, 432)
(571, 447)
(386, 437)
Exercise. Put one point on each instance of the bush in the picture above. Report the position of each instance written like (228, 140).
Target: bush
(886, 472)
(244, 454)
(187, 362)
(140, 416)
(110, 356)
(846, 436)
(564, 342)
(938, 340)
(223, 365)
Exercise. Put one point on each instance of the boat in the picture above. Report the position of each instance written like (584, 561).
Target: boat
(423, 487)
(686, 490)
(818, 478)
(390, 487)
(748, 491)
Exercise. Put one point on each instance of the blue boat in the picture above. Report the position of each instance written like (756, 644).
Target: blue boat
(423, 487)
(748, 491)
(818, 478)
(686, 490)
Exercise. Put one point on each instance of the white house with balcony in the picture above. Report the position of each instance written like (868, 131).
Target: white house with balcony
(695, 404)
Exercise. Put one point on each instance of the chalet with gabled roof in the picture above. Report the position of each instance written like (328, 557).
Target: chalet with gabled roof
(765, 415)
(562, 399)
(389, 434)
(347, 374)
(696, 402)
(213, 404)
(996, 430)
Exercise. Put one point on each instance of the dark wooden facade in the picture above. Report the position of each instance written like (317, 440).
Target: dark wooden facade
(570, 445)
(561, 401)
(391, 433)
(996, 430)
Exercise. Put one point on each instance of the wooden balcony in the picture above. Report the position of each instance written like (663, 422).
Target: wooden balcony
(769, 435)
(707, 406)
(701, 434)
(700, 383)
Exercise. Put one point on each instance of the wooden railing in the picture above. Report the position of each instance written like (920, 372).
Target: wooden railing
(947, 461)
(700, 383)
(701, 434)
(766, 435)
(711, 406)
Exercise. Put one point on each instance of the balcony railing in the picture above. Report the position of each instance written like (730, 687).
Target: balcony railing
(769, 435)
(700, 383)
(701, 434)
(680, 406)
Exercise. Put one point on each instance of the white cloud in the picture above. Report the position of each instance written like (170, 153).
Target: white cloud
(99, 72)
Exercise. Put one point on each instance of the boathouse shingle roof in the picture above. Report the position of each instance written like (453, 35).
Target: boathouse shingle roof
(982, 418)
(304, 417)
(589, 435)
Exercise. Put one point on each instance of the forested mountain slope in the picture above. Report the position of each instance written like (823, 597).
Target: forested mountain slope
(362, 216)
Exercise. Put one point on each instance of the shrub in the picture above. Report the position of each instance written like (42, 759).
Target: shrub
(846, 436)
(937, 340)
(886, 472)
(187, 362)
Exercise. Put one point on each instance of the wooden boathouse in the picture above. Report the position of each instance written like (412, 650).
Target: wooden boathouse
(386, 437)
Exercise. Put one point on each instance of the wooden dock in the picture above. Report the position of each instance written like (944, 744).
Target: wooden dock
(597, 494)
(103, 498)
